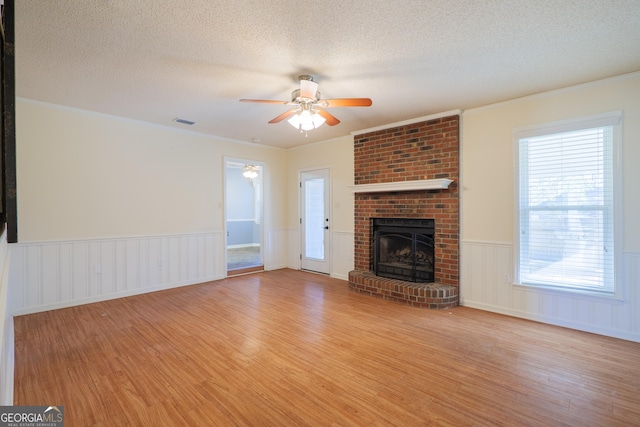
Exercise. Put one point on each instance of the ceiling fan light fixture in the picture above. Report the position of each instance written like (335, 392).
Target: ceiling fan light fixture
(306, 120)
(250, 171)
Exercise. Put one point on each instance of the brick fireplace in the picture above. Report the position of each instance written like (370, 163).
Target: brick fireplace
(424, 153)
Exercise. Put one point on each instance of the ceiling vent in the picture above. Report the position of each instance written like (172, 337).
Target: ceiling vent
(184, 121)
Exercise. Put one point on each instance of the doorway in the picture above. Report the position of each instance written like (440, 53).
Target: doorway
(243, 216)
(314, 220)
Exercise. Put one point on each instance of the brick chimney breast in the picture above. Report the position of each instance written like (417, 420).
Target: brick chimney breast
(417, 151)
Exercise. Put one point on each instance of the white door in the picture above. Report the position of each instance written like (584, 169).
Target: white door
(314, 220)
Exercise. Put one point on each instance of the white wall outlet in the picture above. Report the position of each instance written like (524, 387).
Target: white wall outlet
(160, 262)
(97, 269)
(507, 278)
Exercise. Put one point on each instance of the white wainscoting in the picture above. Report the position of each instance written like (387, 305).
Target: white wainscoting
(486, 283)
(50, 275)
(294, 248)
(341, 254)
(275, 250)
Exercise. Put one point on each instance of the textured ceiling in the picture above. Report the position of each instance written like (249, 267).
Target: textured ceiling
(155, 60)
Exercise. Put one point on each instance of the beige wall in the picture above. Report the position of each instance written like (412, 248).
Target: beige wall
(336, 154)
(487, 153)
(84, 175)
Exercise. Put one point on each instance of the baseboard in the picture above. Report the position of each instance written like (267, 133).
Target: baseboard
(623, 335)
(244, 245)
(123, 294)
(276, 267)
(339, 276)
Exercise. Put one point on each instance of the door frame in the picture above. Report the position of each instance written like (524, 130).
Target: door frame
(229, 159)
(301, 210)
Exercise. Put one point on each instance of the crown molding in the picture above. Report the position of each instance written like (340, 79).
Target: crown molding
(409, 122)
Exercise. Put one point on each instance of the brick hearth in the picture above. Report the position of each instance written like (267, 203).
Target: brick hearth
(423, 295)
(418, 151)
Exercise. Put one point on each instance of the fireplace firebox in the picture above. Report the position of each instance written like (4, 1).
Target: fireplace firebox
(403, 248)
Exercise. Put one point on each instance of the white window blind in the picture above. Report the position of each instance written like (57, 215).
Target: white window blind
(566, 218)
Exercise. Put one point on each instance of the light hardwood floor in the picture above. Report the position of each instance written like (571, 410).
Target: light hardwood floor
(289, 348)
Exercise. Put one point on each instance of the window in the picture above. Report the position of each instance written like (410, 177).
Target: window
(566, 216)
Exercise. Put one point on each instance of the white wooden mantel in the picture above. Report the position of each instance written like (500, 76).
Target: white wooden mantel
(422, 184)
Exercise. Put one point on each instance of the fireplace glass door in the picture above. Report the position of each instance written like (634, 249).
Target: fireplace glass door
(404, 249)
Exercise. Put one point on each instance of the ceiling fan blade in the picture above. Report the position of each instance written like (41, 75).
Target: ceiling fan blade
(265, 101)
(330, 120)
(308, 89)
(284, 115)
(346, 102)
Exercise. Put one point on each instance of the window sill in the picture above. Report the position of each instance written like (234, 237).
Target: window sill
(614, 297)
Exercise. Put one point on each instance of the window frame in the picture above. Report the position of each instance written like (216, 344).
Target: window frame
(614, 119)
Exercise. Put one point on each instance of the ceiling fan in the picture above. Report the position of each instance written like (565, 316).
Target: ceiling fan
(309, 112)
